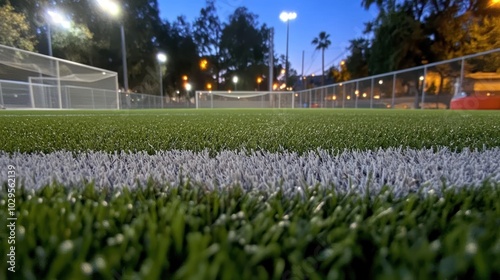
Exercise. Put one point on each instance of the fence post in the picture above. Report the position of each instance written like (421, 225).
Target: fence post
(423, 89)
(118, 96)
(293, 100)
(371, 95)
(1, 96)
(356, 93)
(196, 98)
(462, 74)
(59, 96)
(343, 95)
(322, 97)
(32, 97)
(310, 98)
(393, 90)
(334, 97)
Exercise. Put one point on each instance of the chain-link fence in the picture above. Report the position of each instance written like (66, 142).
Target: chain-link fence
(430, 86)
(34, 81)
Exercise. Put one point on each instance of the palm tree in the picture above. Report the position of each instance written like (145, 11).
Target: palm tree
(322, 42)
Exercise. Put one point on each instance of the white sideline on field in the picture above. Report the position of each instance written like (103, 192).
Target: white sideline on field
(407, 170)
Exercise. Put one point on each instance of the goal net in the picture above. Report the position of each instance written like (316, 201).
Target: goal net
(75, 91)
(245, 99)
(35, 81)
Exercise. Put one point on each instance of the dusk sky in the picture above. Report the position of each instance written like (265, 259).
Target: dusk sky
(342, 19)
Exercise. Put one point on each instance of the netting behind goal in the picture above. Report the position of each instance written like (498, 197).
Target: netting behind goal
(245, 99)
(35, 81)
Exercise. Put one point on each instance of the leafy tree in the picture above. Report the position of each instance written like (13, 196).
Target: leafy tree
(340, 73)
(207, 35)
(433, 30)
(357, 62)
(244, 48)
(74, 44)
(396, 43)
(15, 30)
(322, 42)
(176, 39)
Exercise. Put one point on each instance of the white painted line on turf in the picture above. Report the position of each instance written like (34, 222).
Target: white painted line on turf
(407, 170)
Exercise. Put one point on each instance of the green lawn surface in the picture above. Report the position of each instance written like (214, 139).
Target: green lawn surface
(299, 130)
(187, 232)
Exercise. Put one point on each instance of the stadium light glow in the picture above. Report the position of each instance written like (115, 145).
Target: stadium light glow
(58, 19)
(235, 81)
(113, 9)
(287, 17)
(162, 58)
(110, 7)
(203, 64)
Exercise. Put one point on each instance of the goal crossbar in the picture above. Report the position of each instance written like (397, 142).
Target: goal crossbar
(245, 99)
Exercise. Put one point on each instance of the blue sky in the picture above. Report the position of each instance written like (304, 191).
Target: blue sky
(342, 19)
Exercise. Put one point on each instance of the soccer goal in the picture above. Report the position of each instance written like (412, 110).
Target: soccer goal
(245, 99)
(33, 81)
(74, 91)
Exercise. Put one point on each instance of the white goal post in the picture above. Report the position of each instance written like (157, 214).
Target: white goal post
(245, 99)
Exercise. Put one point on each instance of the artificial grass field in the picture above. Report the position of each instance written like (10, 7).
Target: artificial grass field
(189, 232)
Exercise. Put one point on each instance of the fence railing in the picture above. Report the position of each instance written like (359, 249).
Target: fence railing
(431, 86)
(146, 101)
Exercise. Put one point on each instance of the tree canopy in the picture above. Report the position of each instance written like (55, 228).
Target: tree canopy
(209, 51)
(14, 29)
(411, 33)
(205, 53)
(322, 42)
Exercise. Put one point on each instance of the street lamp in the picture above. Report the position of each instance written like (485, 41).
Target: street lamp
(287, 17)
(259, 80)
(162, 58)
(203, 64)
(114, 10)
(55, 18)
(188, 89)
(235, 81)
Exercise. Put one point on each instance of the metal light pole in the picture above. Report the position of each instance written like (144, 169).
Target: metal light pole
(49, 39)
(271, 59)
(162, 58)
(286, 17)
(113, 9)
(124, 58)
(55, 18)
(188, 89)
